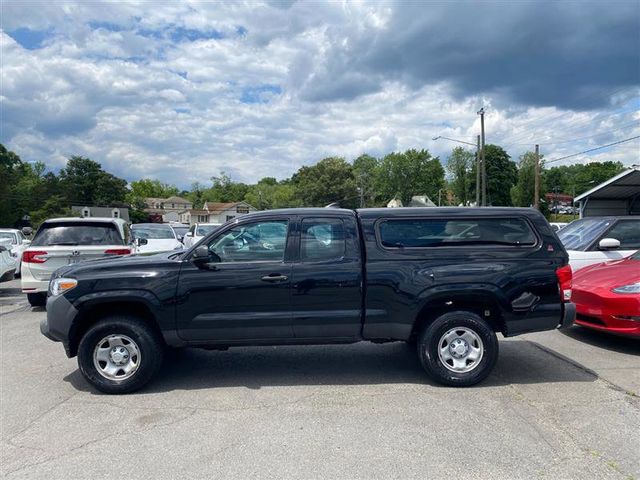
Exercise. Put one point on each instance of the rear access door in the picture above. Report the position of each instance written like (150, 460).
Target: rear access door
(326, 287)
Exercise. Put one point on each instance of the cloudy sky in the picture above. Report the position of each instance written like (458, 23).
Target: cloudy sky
(180, 91)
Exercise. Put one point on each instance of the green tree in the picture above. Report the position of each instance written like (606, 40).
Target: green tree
(147, 187)
(502, 174)
(414, 172)
(268, 193)
(224, 189)
(84, 182)
(460, 165)
(522, 191)
(365, 169)
(328, 181)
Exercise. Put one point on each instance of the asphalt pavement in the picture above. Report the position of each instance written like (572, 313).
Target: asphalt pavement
(558, 405)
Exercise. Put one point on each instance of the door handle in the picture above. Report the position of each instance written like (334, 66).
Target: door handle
(274, 277)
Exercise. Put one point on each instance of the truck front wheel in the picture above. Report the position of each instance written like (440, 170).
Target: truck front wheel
(458, 349)
(120, 354)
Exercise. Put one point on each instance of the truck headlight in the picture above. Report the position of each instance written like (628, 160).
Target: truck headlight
(61, 285)
(631, 288)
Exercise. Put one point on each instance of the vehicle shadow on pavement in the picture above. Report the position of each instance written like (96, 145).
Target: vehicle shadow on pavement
(520, 362)
(604, 340)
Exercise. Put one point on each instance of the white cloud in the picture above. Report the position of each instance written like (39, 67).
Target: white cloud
(110, 82)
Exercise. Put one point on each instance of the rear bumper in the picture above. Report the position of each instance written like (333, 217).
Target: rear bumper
(29, 285)
(568, 315)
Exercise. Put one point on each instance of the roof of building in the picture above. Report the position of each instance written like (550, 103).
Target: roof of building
(623, 186)
(217, 207)
(172, 199)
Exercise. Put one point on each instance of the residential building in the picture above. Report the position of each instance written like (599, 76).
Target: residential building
(166, 209)
(110, 212)
(216, 212)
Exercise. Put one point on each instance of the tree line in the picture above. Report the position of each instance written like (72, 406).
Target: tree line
(28, 190)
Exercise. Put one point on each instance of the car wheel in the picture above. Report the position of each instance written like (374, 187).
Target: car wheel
(37, 299)
(458, 349)
(120, 354)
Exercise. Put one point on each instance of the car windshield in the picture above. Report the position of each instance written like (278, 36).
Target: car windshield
(77, 233)
(180, 231)
(8, 237)
(153, 232)
(204, 230)
(636, 256)
(580, 234)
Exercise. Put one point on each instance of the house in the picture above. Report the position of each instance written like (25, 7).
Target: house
(216, 212)
(620, 195)
(166, 209)
(110, 212)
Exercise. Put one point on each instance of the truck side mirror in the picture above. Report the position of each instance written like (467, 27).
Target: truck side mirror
(609, 244)
(202, 257)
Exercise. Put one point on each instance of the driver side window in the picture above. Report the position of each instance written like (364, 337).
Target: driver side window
(252, 242)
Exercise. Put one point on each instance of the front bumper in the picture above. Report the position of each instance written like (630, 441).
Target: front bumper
(57, 324)
(568, 316)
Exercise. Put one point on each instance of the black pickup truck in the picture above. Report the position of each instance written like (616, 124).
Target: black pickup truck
(443, 279)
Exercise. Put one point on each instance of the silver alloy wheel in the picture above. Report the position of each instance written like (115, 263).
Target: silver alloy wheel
(460, 350)
(116, 357)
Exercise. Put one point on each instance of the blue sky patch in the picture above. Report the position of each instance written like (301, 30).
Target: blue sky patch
(112, 27)
(259, 93)
(181, 34)
(30, 39)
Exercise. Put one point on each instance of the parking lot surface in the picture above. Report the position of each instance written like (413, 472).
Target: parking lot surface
(558, 405)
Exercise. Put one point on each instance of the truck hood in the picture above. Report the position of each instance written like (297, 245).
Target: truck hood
(125, 263)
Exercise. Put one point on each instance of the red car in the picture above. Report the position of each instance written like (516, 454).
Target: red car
(607, 296)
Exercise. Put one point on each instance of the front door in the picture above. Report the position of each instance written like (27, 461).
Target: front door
(243, 293)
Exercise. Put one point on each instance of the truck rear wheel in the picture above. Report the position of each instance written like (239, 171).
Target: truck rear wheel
(458, 349)
(120, 354)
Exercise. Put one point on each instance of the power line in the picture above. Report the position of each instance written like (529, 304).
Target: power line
(565, 140)
(592, 149)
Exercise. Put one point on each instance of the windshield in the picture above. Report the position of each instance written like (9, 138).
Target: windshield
(153, 232)
(180, 231)
(7, 237)
(580, 234)
(204, 230)
(77, 233)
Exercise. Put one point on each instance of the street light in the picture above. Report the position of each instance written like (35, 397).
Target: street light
(453, 140)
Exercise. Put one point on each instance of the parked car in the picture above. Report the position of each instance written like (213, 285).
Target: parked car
(16, 243)
(607, 296)
(180, 229)
(64, 241)
(444, 279)
(599, 239)
(151, 238)
(7, 264)
(197, 231)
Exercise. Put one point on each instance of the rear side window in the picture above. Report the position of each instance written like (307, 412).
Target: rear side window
(424, 233)
(322, 239)
(627, 232)
(77, 233)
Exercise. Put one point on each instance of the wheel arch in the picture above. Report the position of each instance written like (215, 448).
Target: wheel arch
(91, 312)
(483, 302)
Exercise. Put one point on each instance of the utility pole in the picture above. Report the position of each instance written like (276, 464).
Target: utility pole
(484, 165)
(536, 183)
(478, 181)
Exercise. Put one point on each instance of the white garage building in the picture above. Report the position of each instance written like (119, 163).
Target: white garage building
(620, 195)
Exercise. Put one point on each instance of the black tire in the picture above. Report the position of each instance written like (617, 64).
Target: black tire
(149, 343)
(434, 332)
(37, 299)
